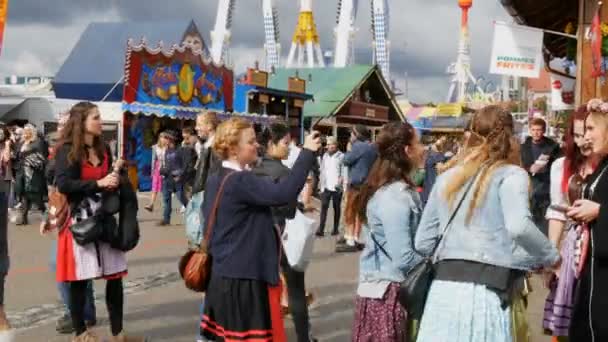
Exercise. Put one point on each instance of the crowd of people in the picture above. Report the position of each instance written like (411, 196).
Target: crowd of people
(487, 215)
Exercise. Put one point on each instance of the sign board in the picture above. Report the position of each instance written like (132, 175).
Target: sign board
(562, 92)
(257, 78)
(296, 85)
(516, 50)
(180, 84)
(449, 109)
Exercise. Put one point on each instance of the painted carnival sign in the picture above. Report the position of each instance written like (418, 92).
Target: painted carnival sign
(176, 84)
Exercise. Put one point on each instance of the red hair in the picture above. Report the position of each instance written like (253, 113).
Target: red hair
(574, 158)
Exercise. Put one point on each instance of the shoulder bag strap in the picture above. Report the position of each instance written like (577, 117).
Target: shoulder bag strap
(453, 214)
(213, 212)
(380, 246)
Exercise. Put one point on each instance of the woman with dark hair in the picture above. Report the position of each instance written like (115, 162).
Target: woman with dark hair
(390, 207)
(568, 175)
(83, 174)
(478, 229)
(276, 140)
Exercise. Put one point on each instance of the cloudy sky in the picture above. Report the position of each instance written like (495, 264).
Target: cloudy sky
(423, 33)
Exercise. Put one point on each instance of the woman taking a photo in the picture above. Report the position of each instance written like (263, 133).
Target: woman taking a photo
(568, 174)
(481, 208)
(276, 139)
(588, 316)
(83, 174)
(243, 297)
(391, 208)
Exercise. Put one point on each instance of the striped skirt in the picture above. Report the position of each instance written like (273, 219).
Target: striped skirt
(242, 310)
(560, 302)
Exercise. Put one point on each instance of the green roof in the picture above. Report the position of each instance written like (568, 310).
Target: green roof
(329, 86)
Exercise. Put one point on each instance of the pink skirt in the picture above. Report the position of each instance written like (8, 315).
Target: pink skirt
(157, 179)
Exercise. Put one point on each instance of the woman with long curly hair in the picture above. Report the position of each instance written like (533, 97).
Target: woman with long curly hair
(483, 241)
(84, 174)
(390, 207)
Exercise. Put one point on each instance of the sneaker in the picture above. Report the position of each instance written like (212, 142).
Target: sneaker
(163, 224)
(64, 325)
(346, 249)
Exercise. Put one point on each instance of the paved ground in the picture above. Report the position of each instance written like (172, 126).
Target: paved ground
(158, 305)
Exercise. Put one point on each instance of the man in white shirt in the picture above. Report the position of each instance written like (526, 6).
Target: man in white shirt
(331, 185)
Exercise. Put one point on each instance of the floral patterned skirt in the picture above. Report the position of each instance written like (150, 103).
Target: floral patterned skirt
(380, 319)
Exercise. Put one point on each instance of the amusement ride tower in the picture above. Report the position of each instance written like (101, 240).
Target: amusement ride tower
(305, 42)
(220, 36)
(461, 70)
(345, 32)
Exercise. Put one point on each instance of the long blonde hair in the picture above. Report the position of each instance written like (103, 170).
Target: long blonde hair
(489, 147)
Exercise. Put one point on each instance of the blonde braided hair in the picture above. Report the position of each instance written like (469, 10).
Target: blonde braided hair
(489, 147)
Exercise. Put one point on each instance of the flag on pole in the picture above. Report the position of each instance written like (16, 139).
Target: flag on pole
(3, 14)
(516, 50)
(596, 45)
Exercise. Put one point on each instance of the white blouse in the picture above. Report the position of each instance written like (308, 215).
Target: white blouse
(558, 197)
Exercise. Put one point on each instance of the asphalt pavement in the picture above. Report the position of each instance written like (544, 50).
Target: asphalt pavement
(157, 304)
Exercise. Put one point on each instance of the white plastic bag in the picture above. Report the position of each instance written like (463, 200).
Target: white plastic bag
(298, 241)
(194, 219)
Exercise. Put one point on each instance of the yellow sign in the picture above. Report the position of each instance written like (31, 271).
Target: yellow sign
(3, 14)
(186, 83)
(449, 109)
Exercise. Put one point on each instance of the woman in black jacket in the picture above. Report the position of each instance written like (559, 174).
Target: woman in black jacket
(243, 298)
(84, 174)
(276, 139)
(30, 177)
(588, 317)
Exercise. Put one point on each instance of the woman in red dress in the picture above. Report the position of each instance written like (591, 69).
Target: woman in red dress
(82, 173)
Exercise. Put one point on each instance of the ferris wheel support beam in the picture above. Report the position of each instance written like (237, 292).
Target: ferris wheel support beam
(220, 36)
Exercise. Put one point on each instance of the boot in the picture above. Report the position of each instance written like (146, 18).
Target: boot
(87, 336)
(124, 338)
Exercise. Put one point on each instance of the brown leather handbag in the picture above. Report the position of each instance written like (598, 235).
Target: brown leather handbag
(195, 265)
(59, 210)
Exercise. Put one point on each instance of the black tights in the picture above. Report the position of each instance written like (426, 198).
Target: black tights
(27, 205)
(114, 302)
(296, 293)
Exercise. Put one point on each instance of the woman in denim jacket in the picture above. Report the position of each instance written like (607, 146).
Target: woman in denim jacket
(489, 244)
(390, 207)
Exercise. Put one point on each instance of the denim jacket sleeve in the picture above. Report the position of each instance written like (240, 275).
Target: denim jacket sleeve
(398, 216)
(351, 157)
(428, 232)
(515, 203)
